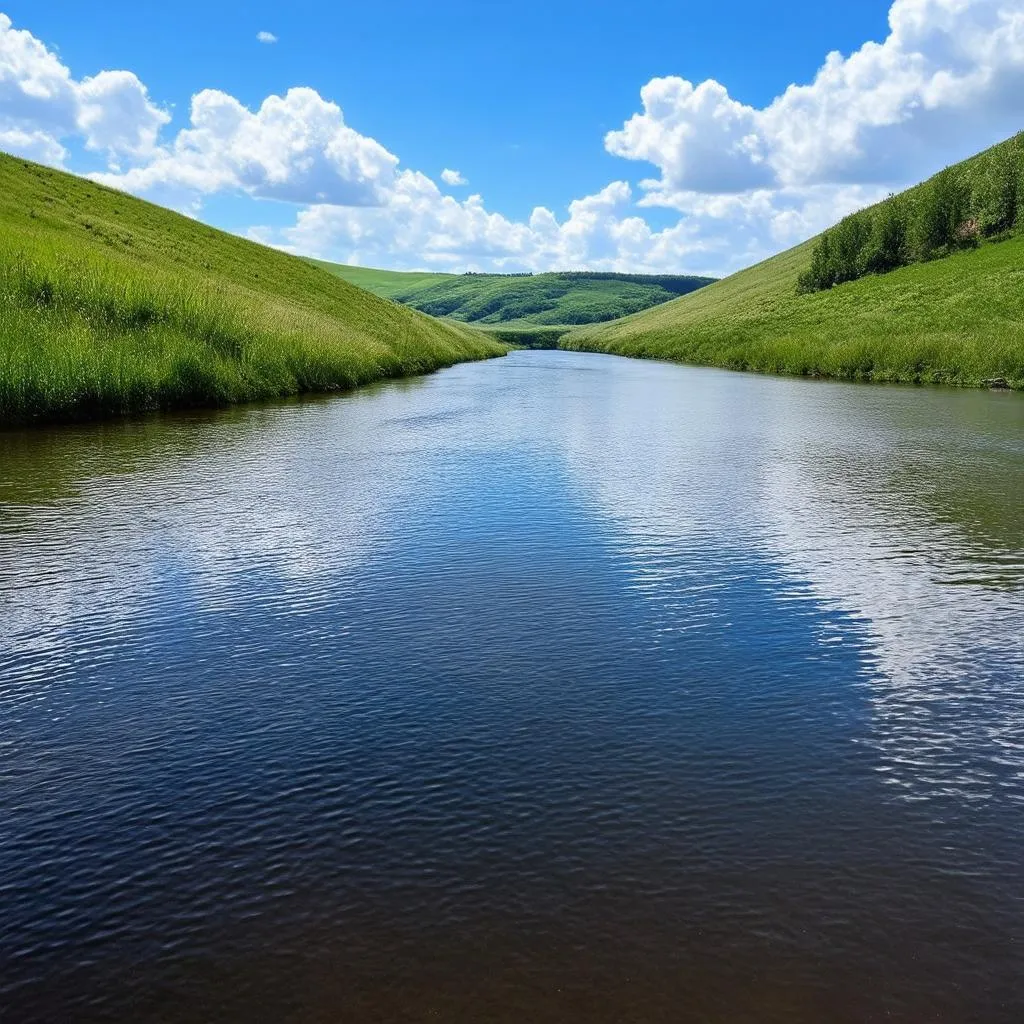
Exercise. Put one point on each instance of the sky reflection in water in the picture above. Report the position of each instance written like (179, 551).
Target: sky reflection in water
(563, 687)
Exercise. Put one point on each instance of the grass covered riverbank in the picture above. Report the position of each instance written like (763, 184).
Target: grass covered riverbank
(956, 320)
(110, 305)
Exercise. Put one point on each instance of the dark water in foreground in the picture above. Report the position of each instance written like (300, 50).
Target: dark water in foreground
(558, 688)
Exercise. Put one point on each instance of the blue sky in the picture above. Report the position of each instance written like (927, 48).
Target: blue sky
(516, 95)
(519, 98)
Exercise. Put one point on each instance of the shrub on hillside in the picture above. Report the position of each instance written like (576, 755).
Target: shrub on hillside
(943, 208)
(888, 245)
(953, 210)
(997, 193)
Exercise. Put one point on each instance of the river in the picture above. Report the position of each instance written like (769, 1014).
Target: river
(558, 687)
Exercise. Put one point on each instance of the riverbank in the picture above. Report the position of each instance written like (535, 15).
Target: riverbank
(923, 288)
(957, 321)
(110, 306)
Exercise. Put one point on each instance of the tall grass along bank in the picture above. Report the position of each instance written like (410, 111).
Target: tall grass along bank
(955, 320)
(110, 305)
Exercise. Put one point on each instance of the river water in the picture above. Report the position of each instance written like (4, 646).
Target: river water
(559, 687)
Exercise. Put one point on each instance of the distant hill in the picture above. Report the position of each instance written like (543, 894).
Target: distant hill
(948, 306)
(111, 305)
(510, 303)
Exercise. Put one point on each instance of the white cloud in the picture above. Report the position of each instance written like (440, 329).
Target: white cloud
(947, 80)
(34, 145)
(296, 148)
(744, 181)
(266, 37)
(37, 94)
(700, 138)
(115, 114)
(420, 227)
(41, 104)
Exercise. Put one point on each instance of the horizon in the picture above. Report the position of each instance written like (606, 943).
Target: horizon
(699, 151)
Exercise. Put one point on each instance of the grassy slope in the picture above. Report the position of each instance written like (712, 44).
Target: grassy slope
(958, 320)
(111, 305)
(388, 283)
(518, 304)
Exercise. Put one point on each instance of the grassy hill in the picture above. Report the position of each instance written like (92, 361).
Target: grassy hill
(110, 305)
(958, 319)
(529, 307)
(389, 284)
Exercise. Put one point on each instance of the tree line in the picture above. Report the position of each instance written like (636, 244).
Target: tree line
(980, 198)
(678, 284)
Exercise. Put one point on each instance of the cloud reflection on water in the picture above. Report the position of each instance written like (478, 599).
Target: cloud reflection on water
(898, 508)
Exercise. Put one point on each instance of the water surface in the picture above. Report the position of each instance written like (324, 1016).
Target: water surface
(561, 687)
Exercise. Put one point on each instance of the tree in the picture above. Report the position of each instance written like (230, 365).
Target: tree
(888, 246)
(837, 254)
(820, 275)
(850, 236)
(998, 191)
(942, 208)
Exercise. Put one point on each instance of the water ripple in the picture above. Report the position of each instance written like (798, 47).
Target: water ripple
(567, 688)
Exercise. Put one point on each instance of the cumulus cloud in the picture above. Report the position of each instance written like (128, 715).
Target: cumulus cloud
(115, 114)
(42, 104)
(266, 37)
(35, 145)
(419, 227)
(295, 147)
(947, 80)
(744, 181)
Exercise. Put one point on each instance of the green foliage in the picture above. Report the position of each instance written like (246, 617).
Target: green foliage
(983, 196)
(998, 192)
(942, 215)
(849, 238)
(888, 244)
(559, 299)
(527, 335)
(109, 305)
(958, 320)
(840, 255)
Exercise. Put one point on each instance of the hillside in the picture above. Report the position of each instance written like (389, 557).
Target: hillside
(954, 316)
(390, 284)
(111, 305)
(523, 302)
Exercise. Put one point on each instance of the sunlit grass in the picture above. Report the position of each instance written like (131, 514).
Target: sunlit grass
(957, 321)
(532, 305)
(109, 306)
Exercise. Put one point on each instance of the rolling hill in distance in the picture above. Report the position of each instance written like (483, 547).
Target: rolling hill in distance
(111, 305)
(945, 313)
(525, 308)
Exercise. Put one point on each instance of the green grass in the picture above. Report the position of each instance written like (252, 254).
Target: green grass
(523, 334)
(979, 198)
(389, 284)
(110, 305)
(957, 320)
(523, 302)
